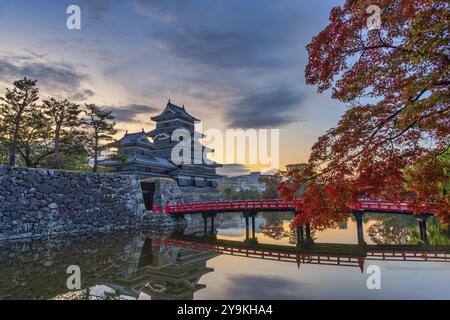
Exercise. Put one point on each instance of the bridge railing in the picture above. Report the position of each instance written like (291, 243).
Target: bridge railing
(234, 205)
(226, 205)
(382, 205)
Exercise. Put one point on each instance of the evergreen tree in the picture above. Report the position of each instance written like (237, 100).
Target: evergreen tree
(271, 183)
(100, 130)
(17, 110)
(63, 116)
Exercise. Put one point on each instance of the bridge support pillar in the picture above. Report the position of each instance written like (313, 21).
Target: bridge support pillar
(308, 231)
(205, 225)
(205, 216)
(247, 228)
(300, 236)
(300, 231)
(213, 228)
(253, 227)
(248, 215)
(422, 219)
(359, 226)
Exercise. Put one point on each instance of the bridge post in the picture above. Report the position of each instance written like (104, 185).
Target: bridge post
(205, 224)
(308, 231)
(247, 228)
(299, 230)
(300, 237)
(247, 215)
(253, 227)
(359, 226)
(422, 219)
(212, 223)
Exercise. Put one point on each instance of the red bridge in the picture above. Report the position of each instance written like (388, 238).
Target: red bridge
(275, 205)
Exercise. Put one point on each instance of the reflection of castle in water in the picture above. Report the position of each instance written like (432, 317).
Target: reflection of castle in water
(166, 272)
(125, 262)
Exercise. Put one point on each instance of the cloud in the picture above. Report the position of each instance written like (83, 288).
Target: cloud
(131, 112)
(228, 34)
(259, 287)
(266, 109)
(63, 75)
(82, 95)
(56, 79)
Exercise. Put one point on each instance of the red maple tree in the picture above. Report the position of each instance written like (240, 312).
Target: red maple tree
(393, 140)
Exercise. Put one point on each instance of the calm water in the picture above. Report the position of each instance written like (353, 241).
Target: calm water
(181, 264)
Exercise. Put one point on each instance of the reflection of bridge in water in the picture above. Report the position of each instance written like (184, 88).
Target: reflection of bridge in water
(320, 253)
(171, 267)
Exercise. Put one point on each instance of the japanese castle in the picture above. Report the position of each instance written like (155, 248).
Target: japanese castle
(148, 154)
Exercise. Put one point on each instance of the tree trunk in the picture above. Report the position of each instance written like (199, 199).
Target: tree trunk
(12, 155)
(13, 147)
(27, 158)
(94, 168)
(56, 160)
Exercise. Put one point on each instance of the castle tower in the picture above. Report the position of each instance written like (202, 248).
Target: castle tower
(153, 157)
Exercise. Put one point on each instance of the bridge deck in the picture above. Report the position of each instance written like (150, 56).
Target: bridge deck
(276, 205)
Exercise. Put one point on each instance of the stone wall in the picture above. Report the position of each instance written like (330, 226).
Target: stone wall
(40, 203)
(167, 191)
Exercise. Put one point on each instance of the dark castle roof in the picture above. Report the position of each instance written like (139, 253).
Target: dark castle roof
(138, 137)
(147, 160)
(173, 111)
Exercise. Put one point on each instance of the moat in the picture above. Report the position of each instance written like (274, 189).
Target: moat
(183, 263)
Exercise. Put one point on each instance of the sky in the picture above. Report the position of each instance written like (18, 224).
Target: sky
(232, 63)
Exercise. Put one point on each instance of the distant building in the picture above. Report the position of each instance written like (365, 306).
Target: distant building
(244, 182)
(149, 154)
(297, 167)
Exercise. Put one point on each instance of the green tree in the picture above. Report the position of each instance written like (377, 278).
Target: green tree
(4, 152)
(229, 193)
(64, 118)
(17, 110)
(100, 125)
(33, 142)
(271, 182)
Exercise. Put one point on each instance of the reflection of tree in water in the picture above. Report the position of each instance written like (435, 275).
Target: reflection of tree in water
(389, 229)
(279, 225)
(384, 233)
(274, 226)
(438, 234)
(292, 234)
